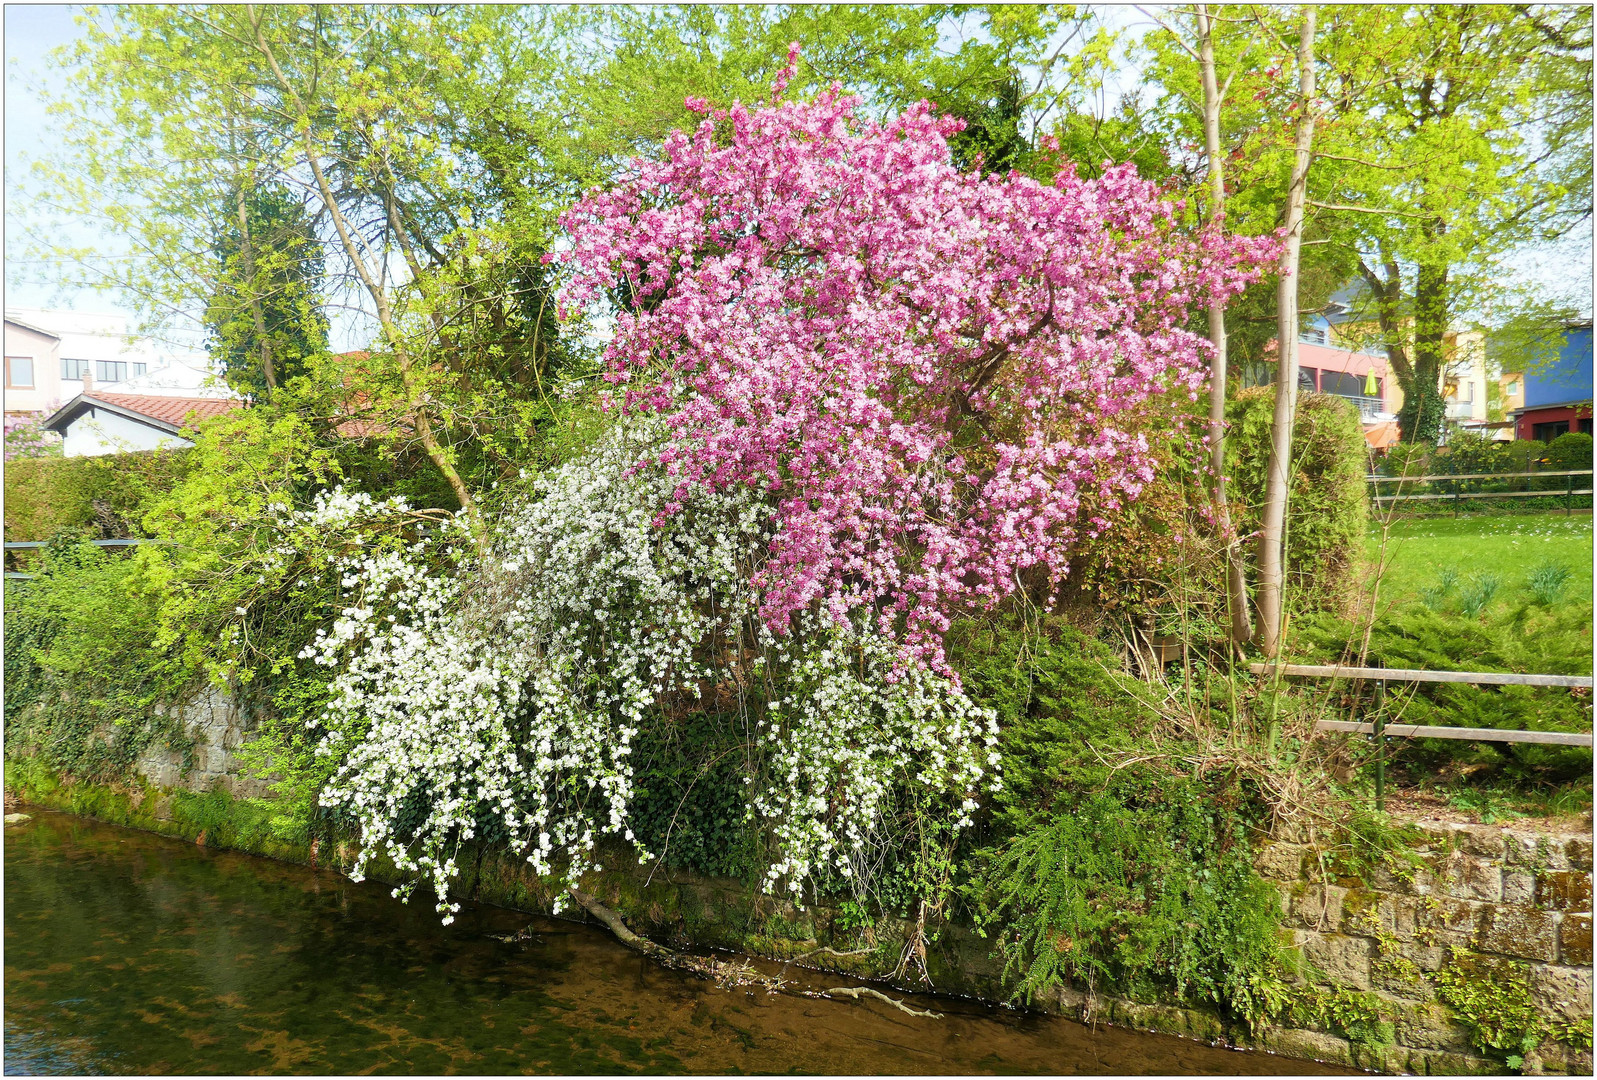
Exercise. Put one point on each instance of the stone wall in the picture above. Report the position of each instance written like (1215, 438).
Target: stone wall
(218, 726)
(1493, 901)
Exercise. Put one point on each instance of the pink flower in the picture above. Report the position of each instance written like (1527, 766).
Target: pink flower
(927, 370)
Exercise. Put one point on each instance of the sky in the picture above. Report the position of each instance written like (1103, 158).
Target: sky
(33, 30)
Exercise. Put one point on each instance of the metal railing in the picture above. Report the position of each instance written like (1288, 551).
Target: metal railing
(23, 545)
(1369, 407)
(1381, 730)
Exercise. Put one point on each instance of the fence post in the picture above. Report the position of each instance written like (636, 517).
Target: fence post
(1569, 495)
(1380, 745)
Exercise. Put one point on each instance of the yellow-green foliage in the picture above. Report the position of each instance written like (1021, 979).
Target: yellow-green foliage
(1493, 999)
(87, 496)
(1328, 506)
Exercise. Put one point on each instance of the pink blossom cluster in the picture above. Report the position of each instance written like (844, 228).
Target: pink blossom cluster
(925, 370)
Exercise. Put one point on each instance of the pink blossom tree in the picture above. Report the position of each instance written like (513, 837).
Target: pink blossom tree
(930, 372)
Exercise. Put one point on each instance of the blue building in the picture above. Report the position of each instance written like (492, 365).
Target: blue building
(1559, 399)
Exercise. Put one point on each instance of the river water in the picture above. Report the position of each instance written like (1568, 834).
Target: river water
(127, 952)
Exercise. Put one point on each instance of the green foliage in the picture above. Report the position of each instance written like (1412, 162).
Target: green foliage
(1327, 505)
(1478, 593)
(265, 317)
(1104, 864)
(1571, 450)
(1523, 638)
(1492, 997)
(688, 805)
(102, 497)
(1546, 581)
(87, 691)
(1358, 1016)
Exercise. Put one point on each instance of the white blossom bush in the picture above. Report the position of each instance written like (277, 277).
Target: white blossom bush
(506, 688)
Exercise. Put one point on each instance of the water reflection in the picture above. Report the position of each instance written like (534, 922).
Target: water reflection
(132, 953)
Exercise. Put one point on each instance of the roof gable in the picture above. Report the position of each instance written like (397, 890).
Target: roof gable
(168, 414)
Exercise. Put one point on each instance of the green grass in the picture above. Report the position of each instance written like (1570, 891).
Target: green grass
(1508, 546)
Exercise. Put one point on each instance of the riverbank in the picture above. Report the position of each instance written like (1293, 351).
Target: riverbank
(1379, 941)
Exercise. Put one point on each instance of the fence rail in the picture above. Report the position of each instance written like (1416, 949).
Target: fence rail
(1472, 476)
(1380, 729)
(1490, 678)
(1458, 494)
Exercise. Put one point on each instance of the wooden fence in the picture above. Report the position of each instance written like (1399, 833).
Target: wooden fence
(1381, 730)
(1458, 494)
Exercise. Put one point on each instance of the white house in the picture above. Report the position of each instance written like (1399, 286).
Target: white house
(98, 422)
(47, 354)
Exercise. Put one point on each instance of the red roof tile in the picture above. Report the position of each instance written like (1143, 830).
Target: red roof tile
(171, 410)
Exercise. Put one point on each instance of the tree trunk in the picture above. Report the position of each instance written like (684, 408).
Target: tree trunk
(1272, 542)
(1236, 580)
(407, 369)
(247, 251)
(1424, 410)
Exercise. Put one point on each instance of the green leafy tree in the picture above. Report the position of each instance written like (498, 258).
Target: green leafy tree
(1475, 141)
(266, 317)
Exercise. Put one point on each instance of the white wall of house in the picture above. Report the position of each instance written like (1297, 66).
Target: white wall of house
(100, 344)
(100, 431)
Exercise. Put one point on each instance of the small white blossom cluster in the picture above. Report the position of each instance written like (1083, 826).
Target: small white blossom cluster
(510, 687)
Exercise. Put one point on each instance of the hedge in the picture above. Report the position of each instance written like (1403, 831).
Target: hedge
(101, 497)
(1328, 505)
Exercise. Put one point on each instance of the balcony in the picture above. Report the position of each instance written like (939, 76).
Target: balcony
(1369, 408)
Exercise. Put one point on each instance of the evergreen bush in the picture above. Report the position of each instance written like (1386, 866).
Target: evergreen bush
(1328, 504)
(103, 497)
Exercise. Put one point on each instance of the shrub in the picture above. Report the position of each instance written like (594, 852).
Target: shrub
(87, 692)
(101, 497)
(1328, 506)
(1106, 863)
(1571, 450)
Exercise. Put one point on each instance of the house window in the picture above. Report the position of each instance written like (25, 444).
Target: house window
(1306, 379)
(110, 371)
(19, 372)
(1314, 335)
(1549, 431)
(1585, 426)
(73, 370)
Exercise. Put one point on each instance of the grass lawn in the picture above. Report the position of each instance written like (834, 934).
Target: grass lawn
(1507, 545)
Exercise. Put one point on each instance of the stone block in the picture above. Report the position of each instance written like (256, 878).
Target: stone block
(1424, 957)
(1305, 1044)
(1466, 878)
(1482, 841)
(1430, 1027)
(1574, 939)
(1562, 991)
(1282, 862)
(1578, 851)
(1445, 921)
(1290, 832)
(1519, 887)
(1519, 931)
(1534, 850)
(1343, 958)
(1317, 907)
(1446, 1063)
(1563, 890)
